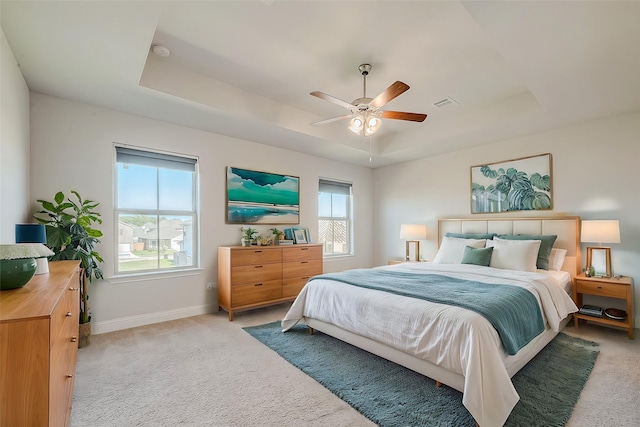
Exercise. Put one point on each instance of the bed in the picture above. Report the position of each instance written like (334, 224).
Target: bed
(453, 344)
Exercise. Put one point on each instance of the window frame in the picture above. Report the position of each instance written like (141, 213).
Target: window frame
(329, 182)
(158, 213)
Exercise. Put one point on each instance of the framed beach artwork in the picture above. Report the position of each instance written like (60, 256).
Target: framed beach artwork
(513, 185)
(255, 197)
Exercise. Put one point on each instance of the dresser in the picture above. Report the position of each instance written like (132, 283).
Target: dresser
(256, 276)
(39, 348)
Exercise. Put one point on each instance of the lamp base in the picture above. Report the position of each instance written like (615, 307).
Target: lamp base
(42, 266)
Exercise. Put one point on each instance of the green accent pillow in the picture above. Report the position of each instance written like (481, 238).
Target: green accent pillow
(477, 256)
(471, 235)
(546, 244)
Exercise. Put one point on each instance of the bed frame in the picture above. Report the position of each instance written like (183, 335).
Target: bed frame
(567, 228)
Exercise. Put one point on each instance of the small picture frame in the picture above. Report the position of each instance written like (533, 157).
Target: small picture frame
(300, 236)
(308, 235)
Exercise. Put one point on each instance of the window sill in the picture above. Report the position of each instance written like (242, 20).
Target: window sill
(337, 257)
(141, 277)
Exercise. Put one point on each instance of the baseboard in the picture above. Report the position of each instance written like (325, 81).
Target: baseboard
(150, 318)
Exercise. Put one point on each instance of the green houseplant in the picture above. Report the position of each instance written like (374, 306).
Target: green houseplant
(248, 235)
(71, 236)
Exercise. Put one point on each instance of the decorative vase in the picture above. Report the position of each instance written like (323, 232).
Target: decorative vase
(84, 334)
(15, 273)
(245, 242)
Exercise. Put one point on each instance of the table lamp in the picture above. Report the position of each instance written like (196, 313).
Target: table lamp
(413, 233)
(36, 234)
(600, 231)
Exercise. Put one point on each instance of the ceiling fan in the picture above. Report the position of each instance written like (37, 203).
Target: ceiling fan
(365, 112)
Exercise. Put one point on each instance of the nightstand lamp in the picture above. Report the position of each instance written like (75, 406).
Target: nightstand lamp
(413, 233)
(600, 231)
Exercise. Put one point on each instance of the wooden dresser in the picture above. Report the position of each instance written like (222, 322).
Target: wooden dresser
(256, 276)
(39, 348)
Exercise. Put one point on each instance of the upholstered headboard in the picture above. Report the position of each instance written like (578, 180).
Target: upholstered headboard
(567, 228)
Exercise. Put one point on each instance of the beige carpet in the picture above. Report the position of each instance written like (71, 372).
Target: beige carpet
(206, 371)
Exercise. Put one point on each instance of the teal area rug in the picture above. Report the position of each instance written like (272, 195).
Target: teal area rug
(391, 395)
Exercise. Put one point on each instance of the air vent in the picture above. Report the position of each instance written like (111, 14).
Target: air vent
(447, 102)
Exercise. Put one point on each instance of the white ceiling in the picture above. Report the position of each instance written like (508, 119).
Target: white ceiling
(245, 68)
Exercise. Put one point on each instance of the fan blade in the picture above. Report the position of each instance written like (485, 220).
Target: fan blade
(399, 115)
(333, 99)
(398, 88)
(331, 120)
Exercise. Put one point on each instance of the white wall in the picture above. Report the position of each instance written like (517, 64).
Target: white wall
(14, 144)
(595, 176)
(72, 149)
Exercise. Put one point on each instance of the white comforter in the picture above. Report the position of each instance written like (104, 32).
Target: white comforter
(459, 340)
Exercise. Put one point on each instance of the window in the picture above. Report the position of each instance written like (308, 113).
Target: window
(335, 217)
(156, 211)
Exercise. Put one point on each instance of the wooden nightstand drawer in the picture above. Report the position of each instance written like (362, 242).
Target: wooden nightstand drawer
(601, 288)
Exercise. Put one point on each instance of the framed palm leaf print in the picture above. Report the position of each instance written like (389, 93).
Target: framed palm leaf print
(513, 185)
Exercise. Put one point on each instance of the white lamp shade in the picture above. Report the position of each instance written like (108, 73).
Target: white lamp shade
(600, 231)
(413, 232)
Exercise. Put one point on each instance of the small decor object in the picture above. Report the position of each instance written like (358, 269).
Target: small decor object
(262, 198)
(17, 265)
(248, 235)
(265, 240)
(513, 185)
(300, 236)
(277, 235)
(615, 314)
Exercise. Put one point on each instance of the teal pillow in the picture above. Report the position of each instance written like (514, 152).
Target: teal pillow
(477, 256)
(471, 235)
(546, 244)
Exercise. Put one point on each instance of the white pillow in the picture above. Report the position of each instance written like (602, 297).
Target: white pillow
(556, 259)
(452, 249)
(515, 254)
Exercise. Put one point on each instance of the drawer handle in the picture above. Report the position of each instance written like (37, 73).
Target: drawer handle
(599, 287)
(73, 289)
(305, 278)
(69, 376)
(257, 252)
(304, 249)
(257, 266)
(69, 314)
(74, 339)
(304, 262)
(258, 284)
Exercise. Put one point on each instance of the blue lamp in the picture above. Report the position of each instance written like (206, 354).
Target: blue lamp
(35, 233)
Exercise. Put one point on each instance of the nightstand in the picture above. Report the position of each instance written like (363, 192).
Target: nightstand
(621, 288)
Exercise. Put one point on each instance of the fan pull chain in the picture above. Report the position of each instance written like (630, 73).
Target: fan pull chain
(370, 155)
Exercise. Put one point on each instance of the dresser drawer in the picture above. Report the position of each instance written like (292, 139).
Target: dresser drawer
(65, 316)
(256, 292)
(302, 268)
(255, 273)
(601, 288)
(301, 253)
(255, 256)
(292, 287)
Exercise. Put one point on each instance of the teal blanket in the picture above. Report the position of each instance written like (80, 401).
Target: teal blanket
(513, 311)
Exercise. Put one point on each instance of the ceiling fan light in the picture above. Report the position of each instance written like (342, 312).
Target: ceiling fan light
(356, 124)
(373, 124)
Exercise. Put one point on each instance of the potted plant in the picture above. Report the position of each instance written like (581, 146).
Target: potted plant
(277, 235)
(71, 236)
(248, 234)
